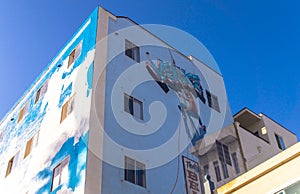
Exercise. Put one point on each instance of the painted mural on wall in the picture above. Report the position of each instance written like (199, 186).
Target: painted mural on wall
(43, 139)
(188, 89)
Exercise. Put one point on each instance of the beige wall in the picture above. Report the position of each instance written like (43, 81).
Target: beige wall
(289, 138)
(95, 145)
(212, 155)
(255, 149)
(269, 177)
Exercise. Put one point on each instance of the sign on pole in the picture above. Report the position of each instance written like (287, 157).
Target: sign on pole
(191, 176)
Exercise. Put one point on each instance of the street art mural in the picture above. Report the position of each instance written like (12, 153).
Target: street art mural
(188, 89)
(40, 152)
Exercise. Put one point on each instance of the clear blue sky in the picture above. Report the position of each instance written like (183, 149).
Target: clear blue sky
(255, 43)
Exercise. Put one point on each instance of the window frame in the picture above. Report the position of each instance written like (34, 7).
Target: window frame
(223, 153)
(132, 51)
(10, 165)
(130, 103)
(225, 170)
(280, 142)
(31, 144)
(217, 171)
(60, 168)
(40, 93)
(75, 54)
(213, 101)
(235, 163)
(23, 111)
(67, 108)
(138, 168)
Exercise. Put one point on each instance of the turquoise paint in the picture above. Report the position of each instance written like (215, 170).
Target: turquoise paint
(73, 151)
(89, 43)
(31, 123)
(65, 94)
(90, 79)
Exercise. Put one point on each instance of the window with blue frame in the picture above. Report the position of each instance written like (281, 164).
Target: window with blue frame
(280, 142)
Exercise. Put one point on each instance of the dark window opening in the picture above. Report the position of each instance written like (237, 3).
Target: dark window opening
(133, 106)
(280, 142)
(213, 101)
(235, 163)
(135, 172)
(223, 153)
(132, 51)
(60, 174)
(217, 171)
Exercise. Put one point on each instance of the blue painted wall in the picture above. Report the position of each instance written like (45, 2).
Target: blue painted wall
(159, 178)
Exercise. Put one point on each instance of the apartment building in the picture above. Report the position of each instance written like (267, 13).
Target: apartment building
(278, 175)
(251, 140)
(118, 110)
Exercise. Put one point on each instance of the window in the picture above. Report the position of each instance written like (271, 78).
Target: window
(132, 51)
(24, 111)
(292, 189)
(67, 109)
(135, 172)
(206, 169)
(133, 106)
(28, 147)
(280, 142)
(223, 153)
(9, 166)
(13, 163)
(31, 143)
(226, 154)
(235, 163)
(41, 92)
(225, 170)
(75, 54)
(213, 101)
(217, 171)
(60, 174)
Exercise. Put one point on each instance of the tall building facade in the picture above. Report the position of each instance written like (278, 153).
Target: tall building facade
(114, 112)
(118, 110)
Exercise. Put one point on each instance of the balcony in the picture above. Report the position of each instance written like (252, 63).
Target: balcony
(226, 136)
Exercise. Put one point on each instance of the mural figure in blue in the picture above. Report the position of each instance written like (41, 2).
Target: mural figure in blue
(188, 89)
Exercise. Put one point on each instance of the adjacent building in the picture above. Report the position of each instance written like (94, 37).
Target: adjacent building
(278, 175)
(249, 141)
(118, 110)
